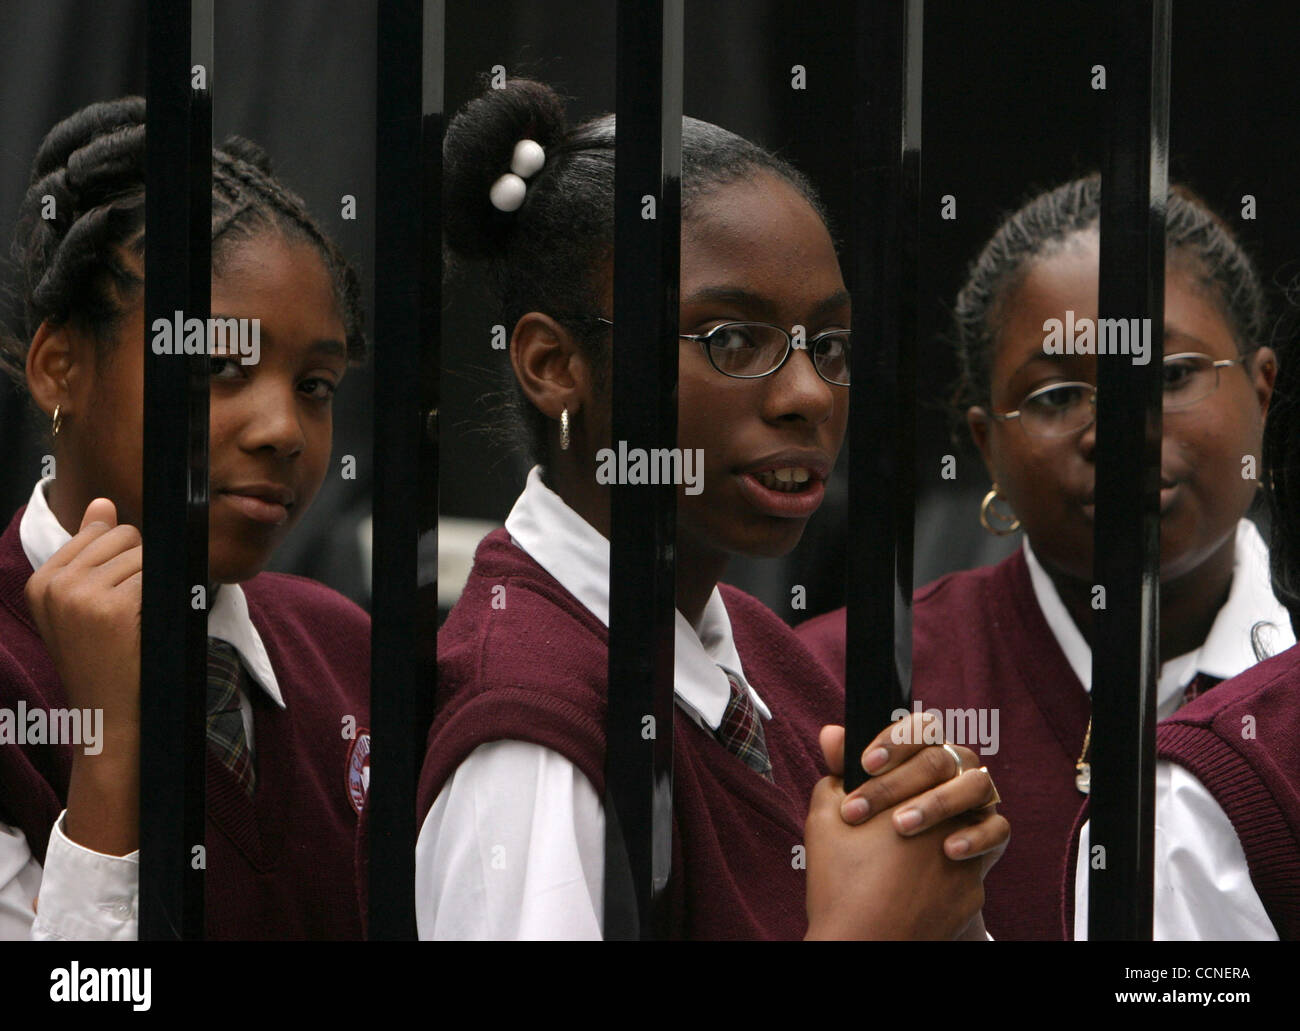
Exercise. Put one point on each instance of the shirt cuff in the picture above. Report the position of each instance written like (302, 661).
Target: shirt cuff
(85, 895)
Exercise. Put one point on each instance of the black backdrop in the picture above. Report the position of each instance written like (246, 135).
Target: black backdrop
(1008, 109)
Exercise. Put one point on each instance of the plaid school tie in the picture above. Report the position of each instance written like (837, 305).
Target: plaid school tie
(741, 730)
(225, 724)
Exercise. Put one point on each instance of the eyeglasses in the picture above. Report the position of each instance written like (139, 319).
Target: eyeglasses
(752, 350)
(1060, 409)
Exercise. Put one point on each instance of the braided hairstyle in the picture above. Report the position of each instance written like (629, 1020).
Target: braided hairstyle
(552, 254)
(1281, 471)
(1197, 240)
(81, 228)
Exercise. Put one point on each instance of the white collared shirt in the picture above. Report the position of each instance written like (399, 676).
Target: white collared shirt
(514, 844)
(85, 894)
(1203, 889)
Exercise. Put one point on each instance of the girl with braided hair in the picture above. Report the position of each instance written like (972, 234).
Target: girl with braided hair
(1013, 640)
(288, 658)
(1235, 748)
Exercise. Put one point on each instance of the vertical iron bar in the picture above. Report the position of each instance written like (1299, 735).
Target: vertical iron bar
(173, 681)
(408, 164)
(639, 725)
(886, 155)
(1126, 553)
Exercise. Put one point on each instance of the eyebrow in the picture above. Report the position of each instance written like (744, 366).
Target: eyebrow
(1042, 356)
(759, 304)
(334, 348)
(327, 346)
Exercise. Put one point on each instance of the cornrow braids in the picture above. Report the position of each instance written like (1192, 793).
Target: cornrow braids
(80, 235)
(1196, 239)
(552, 254)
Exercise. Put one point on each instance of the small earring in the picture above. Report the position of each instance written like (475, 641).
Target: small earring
(564, 430)
(1009, 523)
(58, 421)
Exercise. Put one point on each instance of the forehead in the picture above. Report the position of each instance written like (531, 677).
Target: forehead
(1067, 280)
(760, 233)
(274, 277)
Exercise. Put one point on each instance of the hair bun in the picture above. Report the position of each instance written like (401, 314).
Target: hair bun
(246, 150)
(478, 147)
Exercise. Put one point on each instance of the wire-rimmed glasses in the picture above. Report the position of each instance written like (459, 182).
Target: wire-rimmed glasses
(1060, 409)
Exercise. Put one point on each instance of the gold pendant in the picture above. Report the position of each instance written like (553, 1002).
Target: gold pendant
(1083, 778)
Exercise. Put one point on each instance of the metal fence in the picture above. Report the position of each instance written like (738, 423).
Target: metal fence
(885, 160)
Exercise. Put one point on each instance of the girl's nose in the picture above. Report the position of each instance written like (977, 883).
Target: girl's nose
(272, 420)
(797, 390)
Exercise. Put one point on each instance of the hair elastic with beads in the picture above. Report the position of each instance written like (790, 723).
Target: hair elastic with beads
(508, 191)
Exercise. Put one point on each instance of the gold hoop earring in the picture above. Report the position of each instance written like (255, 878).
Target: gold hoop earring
(1009, 524)
(564, 430)
(58, 421)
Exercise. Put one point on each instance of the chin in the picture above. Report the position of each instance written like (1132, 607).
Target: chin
(772, 544)
(235, 569)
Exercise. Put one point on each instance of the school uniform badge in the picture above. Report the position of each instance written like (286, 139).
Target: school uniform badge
(358, 770)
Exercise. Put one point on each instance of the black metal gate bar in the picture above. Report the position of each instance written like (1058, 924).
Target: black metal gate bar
(407, 251)
(1126, 553)
(173, 681)
(639, 722)
(886, 164)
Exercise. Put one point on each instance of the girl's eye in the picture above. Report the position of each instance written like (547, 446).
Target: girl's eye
(732, 338)
(1054, 399)
(319, 389)
(222, 368)
(1178, 373)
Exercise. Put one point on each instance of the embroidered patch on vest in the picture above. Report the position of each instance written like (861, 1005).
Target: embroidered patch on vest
(358, 776)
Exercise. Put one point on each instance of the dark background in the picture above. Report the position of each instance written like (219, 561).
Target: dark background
(1008, 110)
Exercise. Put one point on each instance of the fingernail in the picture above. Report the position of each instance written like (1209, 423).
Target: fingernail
(908, 819)
(855, 810)
(875, 759)
(958, 848)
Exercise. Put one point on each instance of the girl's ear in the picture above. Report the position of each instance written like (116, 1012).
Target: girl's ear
(51, 360)
(979, 424)
(1263, 375)
(552, 370)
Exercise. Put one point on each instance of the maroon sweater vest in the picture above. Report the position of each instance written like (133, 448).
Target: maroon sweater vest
(980, 641)
(536, 670)
(281, 865)
(1242, 742)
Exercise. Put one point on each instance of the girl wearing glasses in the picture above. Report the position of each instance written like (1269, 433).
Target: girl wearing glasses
(1014, 638)
(512, 835)
(1235, 748)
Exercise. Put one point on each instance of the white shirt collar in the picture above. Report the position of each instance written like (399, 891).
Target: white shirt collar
(1226, 651)
(42, 535)
(576, 554)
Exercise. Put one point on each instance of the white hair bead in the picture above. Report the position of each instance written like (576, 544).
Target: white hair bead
(528, 159)
(507, 193)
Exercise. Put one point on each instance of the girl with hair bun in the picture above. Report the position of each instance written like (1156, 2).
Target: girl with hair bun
(288, 658)
(1011, 642)
(511, 842)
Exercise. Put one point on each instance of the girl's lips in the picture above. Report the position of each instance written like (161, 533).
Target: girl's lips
(258, 509)
(783, 504)
(1169, 494)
